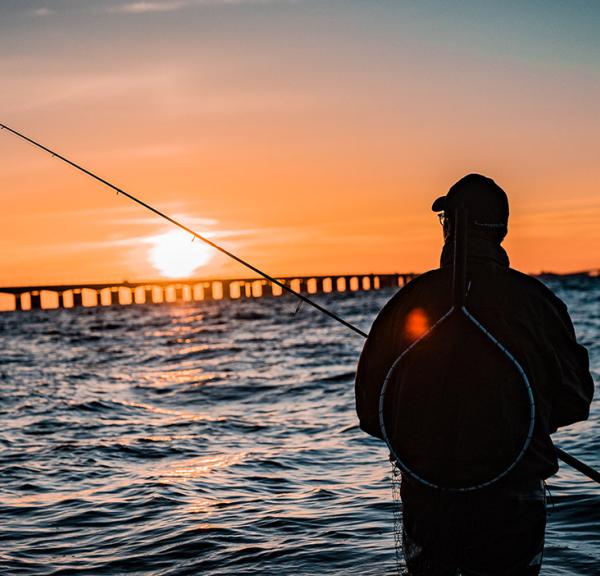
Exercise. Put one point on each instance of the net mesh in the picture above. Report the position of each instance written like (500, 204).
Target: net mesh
(397, 511)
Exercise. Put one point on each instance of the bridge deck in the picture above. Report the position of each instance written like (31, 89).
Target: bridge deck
(156, 291)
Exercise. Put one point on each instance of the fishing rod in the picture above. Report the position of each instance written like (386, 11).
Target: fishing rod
(567, 458)
(214, 245)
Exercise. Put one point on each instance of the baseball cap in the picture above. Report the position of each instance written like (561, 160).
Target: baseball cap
(485, 201)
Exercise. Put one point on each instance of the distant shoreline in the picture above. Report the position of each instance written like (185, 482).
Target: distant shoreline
(583, 273)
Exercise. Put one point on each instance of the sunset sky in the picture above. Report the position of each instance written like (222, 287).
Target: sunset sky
(309, 136)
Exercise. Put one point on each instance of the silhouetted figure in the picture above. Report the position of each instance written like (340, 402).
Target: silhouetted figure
(461, 405)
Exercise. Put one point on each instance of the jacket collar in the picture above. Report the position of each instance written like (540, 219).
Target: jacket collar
(478, 250)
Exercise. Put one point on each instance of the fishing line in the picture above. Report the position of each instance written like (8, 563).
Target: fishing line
(243, 262)
(567, 458)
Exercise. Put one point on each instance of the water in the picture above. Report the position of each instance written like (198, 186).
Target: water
(218, 438)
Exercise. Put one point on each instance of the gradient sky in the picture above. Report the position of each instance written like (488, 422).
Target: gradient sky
(310, 136)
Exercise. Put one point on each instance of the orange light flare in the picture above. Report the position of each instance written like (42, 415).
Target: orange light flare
(417, 323)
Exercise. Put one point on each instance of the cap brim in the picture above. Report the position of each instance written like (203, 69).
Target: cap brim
(439, 205)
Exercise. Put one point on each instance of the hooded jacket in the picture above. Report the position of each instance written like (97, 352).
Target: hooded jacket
(520, 311)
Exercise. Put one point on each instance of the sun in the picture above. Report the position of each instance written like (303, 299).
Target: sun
(175, 255)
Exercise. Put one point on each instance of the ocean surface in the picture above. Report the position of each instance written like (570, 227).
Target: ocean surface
(219, 438)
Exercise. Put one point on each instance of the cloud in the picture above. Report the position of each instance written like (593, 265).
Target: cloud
(152, 220)
(42, 12)
(146, 7)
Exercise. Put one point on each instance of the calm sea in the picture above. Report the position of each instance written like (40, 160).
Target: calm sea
(218, 438)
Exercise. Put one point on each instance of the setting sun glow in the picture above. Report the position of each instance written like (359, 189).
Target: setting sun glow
(175, 255)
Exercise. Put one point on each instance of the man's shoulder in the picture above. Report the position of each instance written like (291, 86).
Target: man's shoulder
(438, 282)
(425, 280)
(431, 277)
(433, 284)
(534, 288)
(523, 287)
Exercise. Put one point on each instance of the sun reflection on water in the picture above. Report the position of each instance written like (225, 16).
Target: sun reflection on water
(194, 468)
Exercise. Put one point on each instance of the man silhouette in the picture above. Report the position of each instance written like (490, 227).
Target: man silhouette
(497, 530)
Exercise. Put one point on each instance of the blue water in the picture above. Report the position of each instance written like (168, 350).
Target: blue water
(219, 438)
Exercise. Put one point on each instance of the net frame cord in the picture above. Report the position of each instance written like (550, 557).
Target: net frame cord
(401, 464)
(564, 456)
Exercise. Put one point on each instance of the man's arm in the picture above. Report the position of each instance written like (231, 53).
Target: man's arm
(369, 380)
(572, 398)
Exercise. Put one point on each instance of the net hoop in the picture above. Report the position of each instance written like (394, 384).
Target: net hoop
(527, 441)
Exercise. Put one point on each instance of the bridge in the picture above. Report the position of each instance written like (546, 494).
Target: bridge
(160, 291)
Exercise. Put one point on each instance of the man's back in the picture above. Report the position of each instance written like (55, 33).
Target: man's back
(519, 311)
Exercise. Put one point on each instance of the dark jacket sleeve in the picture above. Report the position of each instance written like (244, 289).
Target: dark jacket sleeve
(368, 383)
(573, 395)
(381, 348)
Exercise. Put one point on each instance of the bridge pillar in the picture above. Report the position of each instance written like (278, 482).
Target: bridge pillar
(245, 289)
(237, 290)
(77, 298)
(207, 291)
(226, 288)
(114, 297)
(178, 293)
(148, 295)
(35, 299)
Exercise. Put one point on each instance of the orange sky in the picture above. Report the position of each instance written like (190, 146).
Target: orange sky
(307, 136)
